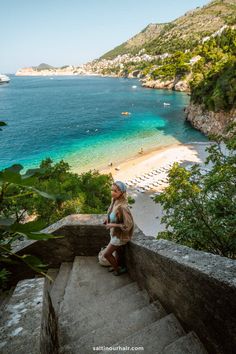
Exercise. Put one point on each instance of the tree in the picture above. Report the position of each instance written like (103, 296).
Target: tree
(85, 193)
(200, 205)
(14, 185)
(49, 193)
(214, 79)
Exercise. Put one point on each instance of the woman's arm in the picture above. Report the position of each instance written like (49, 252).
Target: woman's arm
(109, 226)
(127, 220)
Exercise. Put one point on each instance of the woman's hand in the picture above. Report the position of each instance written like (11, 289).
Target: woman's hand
(109, 226)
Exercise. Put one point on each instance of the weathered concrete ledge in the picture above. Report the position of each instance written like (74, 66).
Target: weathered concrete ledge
(83, 235)
(28, 323)
(198, 287)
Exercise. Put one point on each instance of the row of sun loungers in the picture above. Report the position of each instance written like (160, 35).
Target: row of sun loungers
(150, 181)
(156, 178)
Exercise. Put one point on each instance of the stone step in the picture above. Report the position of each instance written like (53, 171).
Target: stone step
(119, 328)
(87, 269)
(81, 320)
(89, 281)
(189, 344)
(52, 273)
(88, 305)
(153, 338)
(58, 287)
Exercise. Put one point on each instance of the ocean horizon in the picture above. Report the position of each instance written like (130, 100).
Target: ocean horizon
(79, 119)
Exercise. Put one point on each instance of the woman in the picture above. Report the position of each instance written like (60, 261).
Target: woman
(121, 225)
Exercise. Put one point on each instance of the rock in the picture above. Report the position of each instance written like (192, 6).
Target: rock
(182, 85)
(135, 73)
(158, 84)
(209, 122)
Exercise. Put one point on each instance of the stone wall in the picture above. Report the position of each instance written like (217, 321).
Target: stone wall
(28, 323)
(49, 343)
(198, 287)
(83, 235)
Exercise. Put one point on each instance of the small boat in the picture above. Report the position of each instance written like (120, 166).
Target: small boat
(166, 104)
(4, 79)
(134, 86)
(125, 113)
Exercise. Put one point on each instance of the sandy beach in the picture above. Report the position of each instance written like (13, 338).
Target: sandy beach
(144, 163)
(147, 214)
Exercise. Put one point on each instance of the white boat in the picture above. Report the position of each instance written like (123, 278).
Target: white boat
(166, 104)
(4, 79)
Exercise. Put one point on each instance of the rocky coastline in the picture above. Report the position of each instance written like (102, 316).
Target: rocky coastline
(176, 84)
(209, 122)
(173, 84)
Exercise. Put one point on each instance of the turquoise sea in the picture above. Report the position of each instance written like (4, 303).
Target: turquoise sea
(79, 119)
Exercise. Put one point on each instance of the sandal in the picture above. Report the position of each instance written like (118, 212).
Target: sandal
(120, 271)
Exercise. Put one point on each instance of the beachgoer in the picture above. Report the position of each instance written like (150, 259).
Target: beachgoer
(120, 222)
(141, 151)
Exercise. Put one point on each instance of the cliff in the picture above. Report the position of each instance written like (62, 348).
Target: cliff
(209, 122)
(175, 84)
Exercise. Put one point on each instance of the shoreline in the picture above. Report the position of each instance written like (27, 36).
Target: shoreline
(143, 163)
(146, 212)
(105, 168)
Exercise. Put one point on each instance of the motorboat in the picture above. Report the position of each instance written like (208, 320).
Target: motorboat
(4, 79)
(125, 113)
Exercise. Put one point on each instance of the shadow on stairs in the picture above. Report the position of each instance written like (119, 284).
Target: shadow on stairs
(97, 311)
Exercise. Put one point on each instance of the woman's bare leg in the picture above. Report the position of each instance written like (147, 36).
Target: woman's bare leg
(109, 256)
(117, 256)
(120, 256)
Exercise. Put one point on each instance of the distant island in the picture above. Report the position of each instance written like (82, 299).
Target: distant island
(48, 70)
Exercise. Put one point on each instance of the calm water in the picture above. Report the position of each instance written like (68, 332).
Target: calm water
(79, 119)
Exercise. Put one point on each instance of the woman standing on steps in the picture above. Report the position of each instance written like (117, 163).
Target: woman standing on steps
(120, 222)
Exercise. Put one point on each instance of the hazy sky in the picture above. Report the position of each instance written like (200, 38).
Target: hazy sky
(62, 32)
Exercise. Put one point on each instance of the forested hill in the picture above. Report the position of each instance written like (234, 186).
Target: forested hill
(183, 33)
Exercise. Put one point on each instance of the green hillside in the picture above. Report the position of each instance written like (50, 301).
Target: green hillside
(182, 33)
(43, 66)
(214, 75)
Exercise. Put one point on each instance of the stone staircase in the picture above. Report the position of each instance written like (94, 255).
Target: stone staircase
(96, 310)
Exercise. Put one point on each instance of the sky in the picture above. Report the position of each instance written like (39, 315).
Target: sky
(73, 32)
